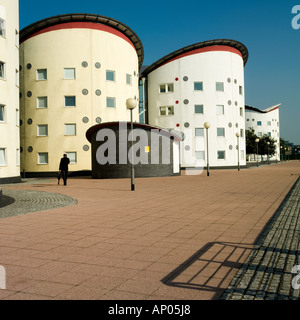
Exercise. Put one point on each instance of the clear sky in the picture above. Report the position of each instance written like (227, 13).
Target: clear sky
(272, 74)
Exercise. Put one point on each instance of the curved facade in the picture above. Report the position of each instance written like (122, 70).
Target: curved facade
(77, 70)
(265, 122)
(9, 91)
(197, 84)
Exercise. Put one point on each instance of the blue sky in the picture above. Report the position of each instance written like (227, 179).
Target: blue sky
(272, 74)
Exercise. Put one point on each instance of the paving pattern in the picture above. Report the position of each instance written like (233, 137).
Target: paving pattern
(267, 272)
(17, 202)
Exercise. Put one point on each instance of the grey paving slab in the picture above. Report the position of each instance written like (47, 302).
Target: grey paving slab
(267, 272)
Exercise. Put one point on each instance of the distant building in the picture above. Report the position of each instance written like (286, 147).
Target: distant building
(77, 71)
(201, 83)
(9, 92)
(265, 122)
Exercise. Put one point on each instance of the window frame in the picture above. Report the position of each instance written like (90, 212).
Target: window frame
(168, 87)
(223, 109)
(199, 105)
(65, 131)
(38, 156)
(69, 106)
(200, 130)
(38, 99)
(38, 73)
(68, 69)
(4, 157)
(39, 126)
(168, 113)
(3, 28)
(113, 99)
(219, 83)
(223, 131)
(198, 82)
(3, 68)
(3, 107)
(218, 154)
(68, 155)
(110, 72)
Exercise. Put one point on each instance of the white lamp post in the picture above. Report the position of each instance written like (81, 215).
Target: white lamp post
(257, 140)
(131, 104)
(207, 126)
(238, 145)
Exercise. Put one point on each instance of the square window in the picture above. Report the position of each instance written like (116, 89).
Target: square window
(69, 73)
(199, 132)
(110, 102)
(200, 155)
(269, 134)
(2, 113)
(2, 70)
(170, 110)
(70, 101)
(162, 88)
(72, 156)
(2, 157)
(221, 155)
(199, 109)
(221, 132)
(198, 86)
(220, 86)
(220, 109)
(170, 87)
(128, 79)
(110, 75)
(43, 158)
(2, 27)
(259, 123)
(41, 74)
(70, 129)
(42, 102)
(269, 123)
(163, 111)
(259, 134)
(42, 130)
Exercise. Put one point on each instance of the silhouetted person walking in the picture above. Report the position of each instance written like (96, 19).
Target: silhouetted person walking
(64, 168)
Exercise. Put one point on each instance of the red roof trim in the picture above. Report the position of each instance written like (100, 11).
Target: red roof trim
(81, 25)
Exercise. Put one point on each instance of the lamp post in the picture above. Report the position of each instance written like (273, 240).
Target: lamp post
(257, 140)
(280, 153)
(268, 144)
(238, 145)
(207, 126)
(131, 104)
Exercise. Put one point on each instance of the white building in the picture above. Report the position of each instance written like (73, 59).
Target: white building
(9, 92)
(264, 122)
(77, 70)
(201, 83)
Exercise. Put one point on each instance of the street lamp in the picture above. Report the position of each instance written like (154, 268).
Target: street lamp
(131, 104)
(257, 140)
(207, 126)
(238, 140)
(268, 143)
(281, 153)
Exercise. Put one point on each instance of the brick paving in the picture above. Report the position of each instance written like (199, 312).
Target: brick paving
(185, 238)
(267, 272)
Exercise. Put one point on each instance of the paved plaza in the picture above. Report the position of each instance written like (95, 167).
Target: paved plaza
(232, 235)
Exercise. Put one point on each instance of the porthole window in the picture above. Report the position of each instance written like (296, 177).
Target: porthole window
(85, 91)
(28, 66)
(185, 78)
(98, 65)
(86, 147)
(98, 92)
(84, 64)
(98, 120)
(85, 119)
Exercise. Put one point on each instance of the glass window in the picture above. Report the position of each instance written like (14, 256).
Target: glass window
(72, 156)
(128, 79)
(69, 73)
(2, 27)
(70, 129)
(42, 130)
(221, 132)
(43, 158)
(259, 123)
(269, 123)
(2, 70)
(2, 114)
(259, 134)
(220, 109)
(198, 86)
(166, 111)
(200, 155)
(110, 75)
(199, 109)
(110, 102)
(269, 134)
(241, 112)
(166, 87)
(2, 157)
(163, 111)
(70, 101)
(221, 155)
(41, 74)
(199, 132)
(241, 133)
(42, 102)
(219, 86)
(240, 90)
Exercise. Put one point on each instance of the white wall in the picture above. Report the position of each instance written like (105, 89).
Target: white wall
(208, 67)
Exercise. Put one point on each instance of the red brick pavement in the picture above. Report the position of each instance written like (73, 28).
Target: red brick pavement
(172, 238)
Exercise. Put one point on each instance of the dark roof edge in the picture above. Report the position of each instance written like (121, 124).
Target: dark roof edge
(226, 42)
(86, 17)
(250, 108)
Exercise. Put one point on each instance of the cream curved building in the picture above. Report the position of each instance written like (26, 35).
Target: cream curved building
(9, 92)
(77, 70)
(201, 83)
